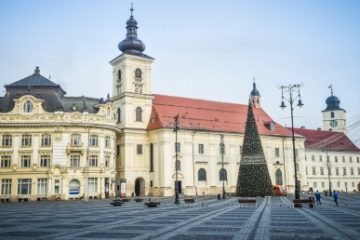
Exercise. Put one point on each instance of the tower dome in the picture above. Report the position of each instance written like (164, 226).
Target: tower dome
(131, 44)
(254, 91)
(332, 102)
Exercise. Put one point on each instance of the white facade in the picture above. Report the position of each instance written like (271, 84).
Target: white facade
(50, 156)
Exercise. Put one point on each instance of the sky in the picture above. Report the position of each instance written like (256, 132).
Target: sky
(203, 49)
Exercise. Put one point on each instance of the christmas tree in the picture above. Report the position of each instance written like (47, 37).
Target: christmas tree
(253, 179)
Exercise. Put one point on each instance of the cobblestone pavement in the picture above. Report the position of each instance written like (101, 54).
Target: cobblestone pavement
(208, 218)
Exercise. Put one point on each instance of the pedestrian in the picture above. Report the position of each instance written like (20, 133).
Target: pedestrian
(336, 197)
(318, 197)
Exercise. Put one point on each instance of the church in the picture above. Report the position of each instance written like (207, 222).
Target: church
(137, 143)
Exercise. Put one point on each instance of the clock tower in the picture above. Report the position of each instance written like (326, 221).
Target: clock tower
(334, 117)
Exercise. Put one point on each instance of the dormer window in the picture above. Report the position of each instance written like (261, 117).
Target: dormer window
(270, 125)
(28, 107)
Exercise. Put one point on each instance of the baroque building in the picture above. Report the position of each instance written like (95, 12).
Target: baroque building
(55, 146)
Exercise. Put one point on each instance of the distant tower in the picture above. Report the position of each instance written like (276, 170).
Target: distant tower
(255, 96)
(334, 117)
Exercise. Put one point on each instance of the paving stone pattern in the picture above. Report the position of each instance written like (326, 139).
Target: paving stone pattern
(209, 218)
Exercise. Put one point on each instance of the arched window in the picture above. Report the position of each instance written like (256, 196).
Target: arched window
(138, 73)
(28, 107)
(138, 114)
(223, 174)
(278, 177)
(118, 115)
(332, 114)
(119, 76)
(201, 175)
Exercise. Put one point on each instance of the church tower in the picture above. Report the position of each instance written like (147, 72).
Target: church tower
(131, 86)
(334, 117)
(255, 96)
(132, 98)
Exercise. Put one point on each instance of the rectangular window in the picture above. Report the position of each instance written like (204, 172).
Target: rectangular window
(107, 161)
(306, 170)
(358, 171)
(313, 171)
(277, 152)
(75, 140)
(338, 184)
(353, 184)
(26, 140)
(93, 141)
(45, 160)
(177, 147)
(320, 158)
(93, 161)
(350, 159)
(107, 142)
(343, 159)
(25, 161)
(24, 186)
(321, 171)
(313, 158)
(315, 185)
(328, 158)
(118, 150)
(92, 186)
(201, 148)
(357, 159)
(5, 161)
(337, 171)
(6, 187)
(42, 186)
(322, 184)
(46, 140)
(6, 140)
(344, 171)
(74, 160)
(329, 170)
(336, 159)
(57, 186)
(351, 171)
(139, 149)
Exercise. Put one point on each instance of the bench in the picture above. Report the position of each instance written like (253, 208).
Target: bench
(117, 202)
(152, 204)
(23, 199)
(247, 201)
(299, 202)
(3, 200)
(189, 200)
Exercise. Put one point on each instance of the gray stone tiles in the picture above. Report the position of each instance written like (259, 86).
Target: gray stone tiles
(209, 219)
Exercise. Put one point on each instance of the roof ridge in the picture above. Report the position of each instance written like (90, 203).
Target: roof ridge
(200, 99)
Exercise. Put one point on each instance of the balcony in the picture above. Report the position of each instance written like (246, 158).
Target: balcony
(75, 148)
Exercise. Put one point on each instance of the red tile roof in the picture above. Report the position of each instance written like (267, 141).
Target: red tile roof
(326, 140)
(196, 114)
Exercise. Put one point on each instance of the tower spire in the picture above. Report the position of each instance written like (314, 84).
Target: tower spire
(131, 44)
(331, 88)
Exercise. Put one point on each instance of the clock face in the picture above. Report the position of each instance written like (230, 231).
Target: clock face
(333, 123)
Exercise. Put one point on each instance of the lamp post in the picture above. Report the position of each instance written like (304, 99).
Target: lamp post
(222, 150)
(292, 89)
(328, 164)
(176, 128)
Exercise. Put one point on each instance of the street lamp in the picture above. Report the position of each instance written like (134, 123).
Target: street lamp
(292, 89)
(176, 128)
(222, 150)
(328, 164)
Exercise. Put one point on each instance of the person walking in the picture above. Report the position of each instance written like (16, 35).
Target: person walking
(318, 197)
(336, 197)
